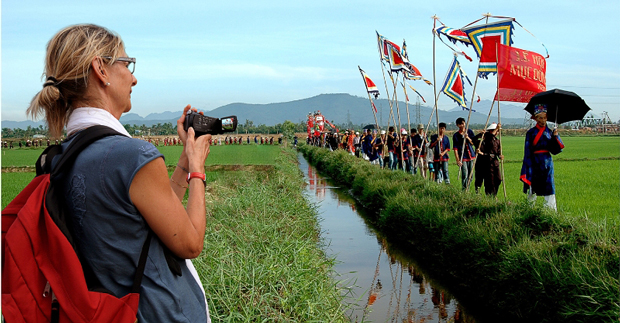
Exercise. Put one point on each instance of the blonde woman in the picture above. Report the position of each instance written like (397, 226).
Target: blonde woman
(118, 188)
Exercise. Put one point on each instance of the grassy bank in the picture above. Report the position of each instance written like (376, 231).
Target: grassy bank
(522, 262)
(263, 257)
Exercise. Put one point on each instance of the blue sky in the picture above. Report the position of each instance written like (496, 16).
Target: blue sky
(211, 53)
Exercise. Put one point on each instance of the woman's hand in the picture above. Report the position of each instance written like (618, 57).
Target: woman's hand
(197, 150)
(180, 131)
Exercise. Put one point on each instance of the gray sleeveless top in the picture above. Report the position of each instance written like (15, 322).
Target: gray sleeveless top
(110, 232)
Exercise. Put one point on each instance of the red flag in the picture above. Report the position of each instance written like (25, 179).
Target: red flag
(397, 63)
(521, 74)
(488, 57)
(370, 85)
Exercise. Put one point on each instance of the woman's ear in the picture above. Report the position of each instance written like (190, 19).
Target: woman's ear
(99, 70)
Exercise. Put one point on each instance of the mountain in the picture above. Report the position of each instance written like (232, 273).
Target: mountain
(341, 108)
(151, 119)
(338, 108)
(21, 124)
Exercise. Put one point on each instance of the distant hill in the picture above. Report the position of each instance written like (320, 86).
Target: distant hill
(341, 108)
(21, 124)
(338, 108)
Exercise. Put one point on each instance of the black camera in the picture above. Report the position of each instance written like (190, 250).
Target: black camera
(206, 125)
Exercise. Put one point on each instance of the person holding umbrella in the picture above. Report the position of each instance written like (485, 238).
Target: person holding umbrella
(537, 168)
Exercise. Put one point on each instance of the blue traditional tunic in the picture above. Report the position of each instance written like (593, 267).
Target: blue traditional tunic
(457, 141)
(537, 169)
(374, 151)
(444, 145)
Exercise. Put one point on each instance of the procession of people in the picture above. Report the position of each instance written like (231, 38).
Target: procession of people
(478, 156)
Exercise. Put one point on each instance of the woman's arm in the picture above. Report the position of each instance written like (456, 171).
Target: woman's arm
(181, 230)
(159, 201)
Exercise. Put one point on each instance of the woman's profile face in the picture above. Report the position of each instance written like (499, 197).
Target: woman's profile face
(121, 83)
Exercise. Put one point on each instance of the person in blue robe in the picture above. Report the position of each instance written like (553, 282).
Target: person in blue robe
(537, 170)
(440, 143)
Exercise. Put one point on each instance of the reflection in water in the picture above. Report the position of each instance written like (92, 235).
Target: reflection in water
(383, 284)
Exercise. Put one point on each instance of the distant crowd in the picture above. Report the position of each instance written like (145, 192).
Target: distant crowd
(167, 141)
(10, 144)
(220, 140)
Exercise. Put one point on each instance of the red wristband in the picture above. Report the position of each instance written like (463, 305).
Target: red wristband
(202, 176)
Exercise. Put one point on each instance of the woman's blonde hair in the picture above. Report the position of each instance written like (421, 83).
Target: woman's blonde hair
(67, 69)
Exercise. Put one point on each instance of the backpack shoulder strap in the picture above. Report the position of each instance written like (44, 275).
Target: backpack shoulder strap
(81, 141)
(44, 162)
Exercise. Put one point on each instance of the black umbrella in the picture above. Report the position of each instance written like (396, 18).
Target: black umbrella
(370, 127)
(562, 106)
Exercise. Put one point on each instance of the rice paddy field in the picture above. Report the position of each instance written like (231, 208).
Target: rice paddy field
(18, 164)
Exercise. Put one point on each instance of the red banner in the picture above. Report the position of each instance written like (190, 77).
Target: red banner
(521, 74)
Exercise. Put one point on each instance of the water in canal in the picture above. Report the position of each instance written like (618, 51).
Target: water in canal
(384, 285)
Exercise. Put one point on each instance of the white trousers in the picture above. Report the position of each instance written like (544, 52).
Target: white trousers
(549, 200)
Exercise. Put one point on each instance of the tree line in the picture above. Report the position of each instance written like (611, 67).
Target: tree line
(165, 129)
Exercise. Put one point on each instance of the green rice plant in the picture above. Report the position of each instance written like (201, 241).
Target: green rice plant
(12, 184)
(229, 154)
(20, 157)
(219, 155)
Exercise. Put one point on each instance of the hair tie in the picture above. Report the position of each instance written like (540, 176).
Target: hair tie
(51, 81)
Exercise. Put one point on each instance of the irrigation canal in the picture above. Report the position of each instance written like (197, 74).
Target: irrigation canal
(385, 285)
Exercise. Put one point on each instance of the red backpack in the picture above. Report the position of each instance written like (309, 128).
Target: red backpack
(43, 279)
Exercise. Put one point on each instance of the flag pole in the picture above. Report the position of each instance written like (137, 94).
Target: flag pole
(372, 106)
(471, 103)
(434, 85)
(499, 122)
(392, 118)
(471, 174)
(387, 92)
(399, 126)
(407, 104)
(434, 74)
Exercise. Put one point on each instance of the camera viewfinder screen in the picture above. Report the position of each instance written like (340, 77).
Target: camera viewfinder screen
(228, 124)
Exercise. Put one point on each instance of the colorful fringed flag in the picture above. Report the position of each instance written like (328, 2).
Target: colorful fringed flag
(411, 72)
(453, 85)
(454, 35)
(418, 93)
(370, 85)
(486, 36)
(397, 62)
(384, 47)
(383, 50)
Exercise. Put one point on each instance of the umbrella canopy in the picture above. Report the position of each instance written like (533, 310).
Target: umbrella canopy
(370, 127)
(562, 106)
